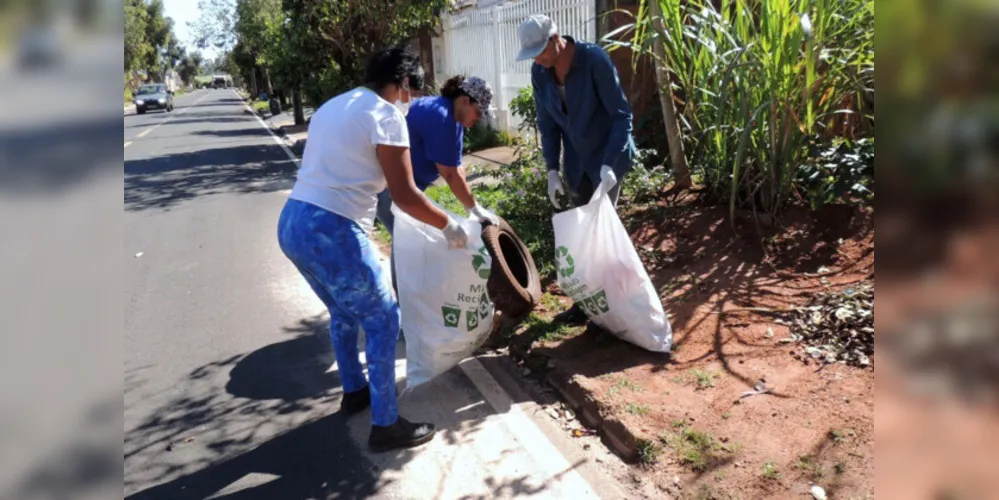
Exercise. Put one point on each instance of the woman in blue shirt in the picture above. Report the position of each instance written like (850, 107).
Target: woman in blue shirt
(436, 135)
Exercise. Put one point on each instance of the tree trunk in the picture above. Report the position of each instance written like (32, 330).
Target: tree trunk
(296, 100)
(673, 135)
(267, 81)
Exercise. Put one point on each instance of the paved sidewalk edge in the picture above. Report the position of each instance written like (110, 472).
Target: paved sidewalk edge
(613, 431)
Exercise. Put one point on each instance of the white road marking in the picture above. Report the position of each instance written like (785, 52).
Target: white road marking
(168, 120)
(291, 156)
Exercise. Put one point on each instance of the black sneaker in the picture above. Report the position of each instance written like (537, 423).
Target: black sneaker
(401, 434)
(355, 402)
(573, 316)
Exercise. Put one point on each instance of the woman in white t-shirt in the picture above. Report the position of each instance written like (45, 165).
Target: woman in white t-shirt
(358, 143)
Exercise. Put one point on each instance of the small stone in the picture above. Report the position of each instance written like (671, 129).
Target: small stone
(138, 254)
(817, 492)
(676, 480)
(526, 372)
(724, 439)
(737, 465)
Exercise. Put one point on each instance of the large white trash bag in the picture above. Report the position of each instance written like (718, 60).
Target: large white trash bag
(446, 312)
(599, 268)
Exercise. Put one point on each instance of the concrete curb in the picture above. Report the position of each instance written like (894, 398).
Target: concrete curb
(614, 433)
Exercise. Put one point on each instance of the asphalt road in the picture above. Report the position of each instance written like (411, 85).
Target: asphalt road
(230, 384)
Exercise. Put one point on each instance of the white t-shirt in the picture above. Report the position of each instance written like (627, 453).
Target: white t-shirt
(340, 170)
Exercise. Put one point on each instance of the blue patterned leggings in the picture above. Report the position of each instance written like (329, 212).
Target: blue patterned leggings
(338, 261)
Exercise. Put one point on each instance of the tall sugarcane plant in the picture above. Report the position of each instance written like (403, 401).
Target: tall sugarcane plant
(759, 82)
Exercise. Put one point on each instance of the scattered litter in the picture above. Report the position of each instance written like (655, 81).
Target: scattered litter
(760, 388)
(583, 432)
(586, 446)
(770, 332)
(823, 270)
(189, 439)
(138, 254)
(786, 340)
(818, 493)
(837, 326)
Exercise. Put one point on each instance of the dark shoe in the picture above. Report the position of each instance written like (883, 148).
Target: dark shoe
(573, 316)
(355, 402)
(401, 434)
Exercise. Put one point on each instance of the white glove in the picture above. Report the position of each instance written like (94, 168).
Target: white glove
(455, 235)
(607, 175)
(554, 187)
(483, 215)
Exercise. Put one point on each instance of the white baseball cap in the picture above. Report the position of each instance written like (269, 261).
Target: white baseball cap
(534, 34)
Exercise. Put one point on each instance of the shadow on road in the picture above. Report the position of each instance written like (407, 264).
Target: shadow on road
(165, 181)
(318, 458)
(53, 157)
(206, 118)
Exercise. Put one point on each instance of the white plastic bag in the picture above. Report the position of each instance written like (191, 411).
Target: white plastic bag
(599, 268)
(446, 312)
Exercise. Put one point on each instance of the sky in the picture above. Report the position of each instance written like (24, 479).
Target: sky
(183, 12)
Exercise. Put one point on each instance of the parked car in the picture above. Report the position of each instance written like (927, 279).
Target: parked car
(153, 96)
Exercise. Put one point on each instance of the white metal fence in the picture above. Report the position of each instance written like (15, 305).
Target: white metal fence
(483, 42)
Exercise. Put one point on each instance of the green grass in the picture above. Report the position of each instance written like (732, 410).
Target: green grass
(636, 409)
(695, 449)
(128, 96)
(839, 435)
(443, 196)
(705, 379)
(621, 384)
(810, 466)
(648, 451)
(769, 470)
(550, 302)
(260, 107)
(381, 235)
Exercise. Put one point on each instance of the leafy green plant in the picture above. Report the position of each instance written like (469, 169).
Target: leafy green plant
(643, 184)
(524, 108)
(482, 136)
(758, 82)
(520, 196)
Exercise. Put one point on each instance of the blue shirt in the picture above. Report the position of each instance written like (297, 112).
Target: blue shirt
(594, 127)
(435, 137)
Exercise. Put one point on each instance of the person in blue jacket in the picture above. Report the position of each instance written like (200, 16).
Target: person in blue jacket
(583, 115)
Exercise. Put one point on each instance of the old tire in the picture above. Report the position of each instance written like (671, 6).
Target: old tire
(513, 285)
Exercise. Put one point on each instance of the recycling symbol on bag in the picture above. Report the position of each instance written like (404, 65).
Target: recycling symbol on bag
(451, 315)
(566, 266)
(480, 265)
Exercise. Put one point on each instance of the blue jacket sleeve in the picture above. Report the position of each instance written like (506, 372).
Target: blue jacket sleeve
(612, 97)
(551, 133)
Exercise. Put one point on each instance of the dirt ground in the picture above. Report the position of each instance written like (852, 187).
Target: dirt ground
(698, 437)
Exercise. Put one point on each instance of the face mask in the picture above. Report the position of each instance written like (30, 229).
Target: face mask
(404, 106)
